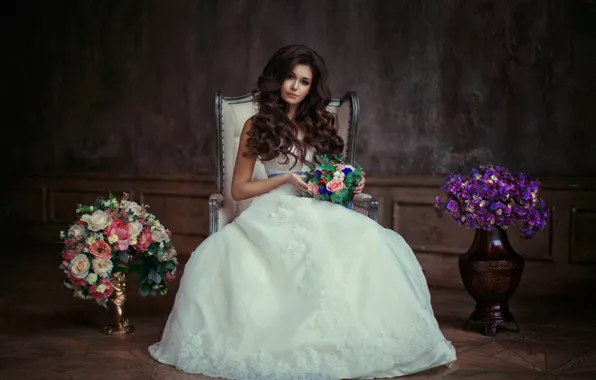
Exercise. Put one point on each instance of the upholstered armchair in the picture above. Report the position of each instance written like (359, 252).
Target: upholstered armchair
(231, 113)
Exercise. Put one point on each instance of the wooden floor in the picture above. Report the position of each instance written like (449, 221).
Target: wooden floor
(47, 334)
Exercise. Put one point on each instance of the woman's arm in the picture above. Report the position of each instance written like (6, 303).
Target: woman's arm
(243, 187)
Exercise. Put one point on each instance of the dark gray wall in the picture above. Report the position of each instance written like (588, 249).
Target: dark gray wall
(128, 87)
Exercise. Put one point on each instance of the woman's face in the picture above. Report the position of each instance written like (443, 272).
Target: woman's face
(296, 85)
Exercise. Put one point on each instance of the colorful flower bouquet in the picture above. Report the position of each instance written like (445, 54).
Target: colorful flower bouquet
(116, 236)
(492, 197)
(332, 180)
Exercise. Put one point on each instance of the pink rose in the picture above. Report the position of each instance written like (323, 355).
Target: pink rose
(119, 234)
(313, 188)
(68, 254)
(101, 289)
(144, 240)
(77, 281)
(335, 185)
(170, 277)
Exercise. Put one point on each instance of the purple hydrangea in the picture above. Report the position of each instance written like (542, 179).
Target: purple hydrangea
(492, 197)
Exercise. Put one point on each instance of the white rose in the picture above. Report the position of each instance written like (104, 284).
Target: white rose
(79, 294)
(91, 278)
(97, 221)
(77, 231)
(102, 267)
(135, 228)
(79, 266)
(133, 207)
(101, 288)
(159, 234)
(171, 251)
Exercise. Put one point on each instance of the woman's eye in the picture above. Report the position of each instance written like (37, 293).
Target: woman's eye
(305, 82)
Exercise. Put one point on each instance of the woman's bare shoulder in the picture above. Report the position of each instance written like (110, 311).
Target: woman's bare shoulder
(248, 124)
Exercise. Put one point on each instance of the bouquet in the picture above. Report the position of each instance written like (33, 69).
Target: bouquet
(491, 197)
(116, 236)
(332, 180)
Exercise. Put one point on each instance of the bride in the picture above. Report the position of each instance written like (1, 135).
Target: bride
(296, 288)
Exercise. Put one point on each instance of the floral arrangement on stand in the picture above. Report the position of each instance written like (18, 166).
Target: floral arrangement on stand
(116, 236)
(490, 200)
(332, 180)
(490, 197)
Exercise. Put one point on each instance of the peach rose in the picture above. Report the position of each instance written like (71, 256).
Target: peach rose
(312, 188)
(102, 267)
(335, 185)
(339, 167)
(77, 231)
(100, 250)
(97, 221)
(79, 266)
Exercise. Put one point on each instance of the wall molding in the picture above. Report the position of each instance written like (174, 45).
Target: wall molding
(560, 260)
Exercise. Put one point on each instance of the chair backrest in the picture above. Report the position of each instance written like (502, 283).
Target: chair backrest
(232, 113)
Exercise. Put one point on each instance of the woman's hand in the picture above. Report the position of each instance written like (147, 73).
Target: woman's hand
(295, 180)
(360, 186)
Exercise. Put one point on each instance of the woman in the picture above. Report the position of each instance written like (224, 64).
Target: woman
(296, 288)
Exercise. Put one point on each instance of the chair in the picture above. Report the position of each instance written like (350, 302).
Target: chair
(231, 114)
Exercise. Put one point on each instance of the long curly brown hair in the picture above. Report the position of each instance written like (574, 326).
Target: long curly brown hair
(273, 133)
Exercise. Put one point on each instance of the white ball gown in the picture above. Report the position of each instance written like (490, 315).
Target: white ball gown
(296, 288)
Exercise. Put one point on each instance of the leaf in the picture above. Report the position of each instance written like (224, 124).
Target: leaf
(170, 266)
(118, 269)
(154, 276)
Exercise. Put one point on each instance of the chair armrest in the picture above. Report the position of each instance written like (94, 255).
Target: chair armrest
(216, 202)
(369, 204)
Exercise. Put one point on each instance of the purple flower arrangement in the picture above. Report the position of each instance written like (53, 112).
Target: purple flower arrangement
(492, 197)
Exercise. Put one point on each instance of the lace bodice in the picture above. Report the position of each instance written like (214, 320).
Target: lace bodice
(276, 166)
